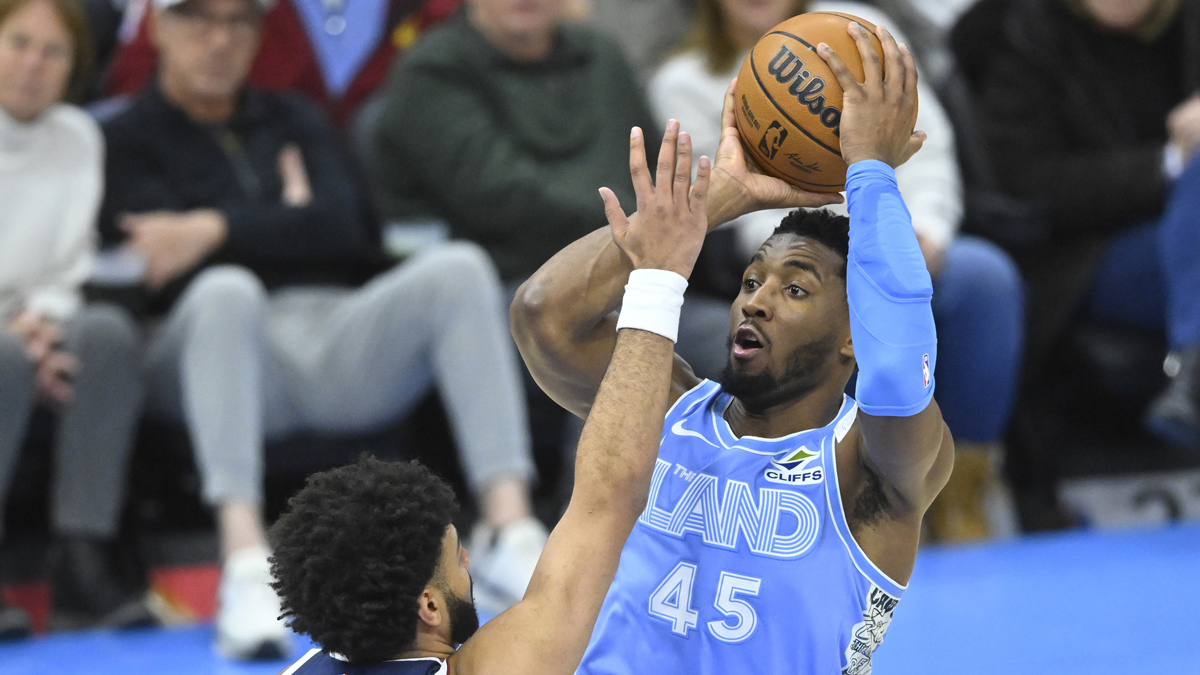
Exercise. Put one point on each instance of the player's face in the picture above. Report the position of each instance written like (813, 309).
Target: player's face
(458, 590)
(790, 324)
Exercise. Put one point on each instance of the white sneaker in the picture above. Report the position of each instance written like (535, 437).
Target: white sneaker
(248, 624)
(502, 562)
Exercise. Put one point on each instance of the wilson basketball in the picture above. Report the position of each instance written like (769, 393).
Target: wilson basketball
(789, 104)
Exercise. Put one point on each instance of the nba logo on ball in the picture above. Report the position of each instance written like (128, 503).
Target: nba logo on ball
(925, 368)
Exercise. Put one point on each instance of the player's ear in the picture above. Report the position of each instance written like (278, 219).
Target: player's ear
(847, 348)
(430, 606)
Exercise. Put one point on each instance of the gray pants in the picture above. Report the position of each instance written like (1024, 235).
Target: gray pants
(95, 431)
(237, 364)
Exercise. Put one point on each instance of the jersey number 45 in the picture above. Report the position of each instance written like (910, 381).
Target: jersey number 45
(672, 602)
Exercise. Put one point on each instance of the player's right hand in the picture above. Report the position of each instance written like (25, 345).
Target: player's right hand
(738, 187)
(667, 232)
(877, 113)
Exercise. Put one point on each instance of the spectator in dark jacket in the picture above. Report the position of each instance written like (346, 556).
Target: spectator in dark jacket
(253, 234)
(1093, 113)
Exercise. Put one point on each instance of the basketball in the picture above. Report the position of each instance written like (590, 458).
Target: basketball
(789, 104)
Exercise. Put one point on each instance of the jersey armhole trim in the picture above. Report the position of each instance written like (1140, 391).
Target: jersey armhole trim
(689, 398)
(304, 659)
(833, 497)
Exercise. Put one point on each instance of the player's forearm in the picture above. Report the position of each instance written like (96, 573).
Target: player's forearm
(617, 449)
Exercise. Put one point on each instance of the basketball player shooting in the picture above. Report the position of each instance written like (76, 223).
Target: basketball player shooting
(369, 565)
(783, 516)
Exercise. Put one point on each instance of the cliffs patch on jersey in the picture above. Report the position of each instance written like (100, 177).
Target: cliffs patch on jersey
(796, 468)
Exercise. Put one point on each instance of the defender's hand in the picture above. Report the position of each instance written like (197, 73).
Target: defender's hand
(877, 113)
(668, 229)
(738, 187)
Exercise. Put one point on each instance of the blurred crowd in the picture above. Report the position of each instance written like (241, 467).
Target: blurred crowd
(295, 216)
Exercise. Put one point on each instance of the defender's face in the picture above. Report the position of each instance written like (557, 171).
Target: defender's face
(790, 323)
(455, 564)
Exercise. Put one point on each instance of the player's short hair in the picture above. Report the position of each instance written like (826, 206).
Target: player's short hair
(354, 551)
(821, 225)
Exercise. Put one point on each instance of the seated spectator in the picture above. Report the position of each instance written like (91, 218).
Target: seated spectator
(81, 360)
(503, 123)
(646, 30)
(253, 235)
(336, 51)
(977, 290)
(1116, 170)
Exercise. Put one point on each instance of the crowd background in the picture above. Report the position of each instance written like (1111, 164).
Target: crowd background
(244, 240)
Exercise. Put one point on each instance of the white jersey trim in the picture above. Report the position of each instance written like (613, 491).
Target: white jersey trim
(833, 496)
(295, 666)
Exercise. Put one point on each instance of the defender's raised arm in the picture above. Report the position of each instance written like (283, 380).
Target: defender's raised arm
(548, 631)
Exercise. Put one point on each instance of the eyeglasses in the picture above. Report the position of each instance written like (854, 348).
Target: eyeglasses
(243, 25)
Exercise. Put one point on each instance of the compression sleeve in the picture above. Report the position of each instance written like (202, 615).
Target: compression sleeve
(889, 291)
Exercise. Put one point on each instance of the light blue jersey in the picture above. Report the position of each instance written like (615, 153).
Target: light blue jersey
(742, 561)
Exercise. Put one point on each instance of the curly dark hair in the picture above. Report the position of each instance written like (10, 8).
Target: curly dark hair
(820, 225)
(354, 551)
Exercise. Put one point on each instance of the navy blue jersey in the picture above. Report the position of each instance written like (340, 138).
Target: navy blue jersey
(317, 662)
(743, 561)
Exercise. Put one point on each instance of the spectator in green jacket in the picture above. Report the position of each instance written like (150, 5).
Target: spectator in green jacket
(504, 123)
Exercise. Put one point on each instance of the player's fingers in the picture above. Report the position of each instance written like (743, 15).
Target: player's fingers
(683, 172)
(910, 71)
(728, 116)
(698, 201)
(643, 187)
(844, 77)
(914, 145)
(666, 157)
(614, 213)
(872, 68)
(894, 68)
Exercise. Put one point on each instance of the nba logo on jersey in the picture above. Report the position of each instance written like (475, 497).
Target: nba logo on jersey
(925, 368)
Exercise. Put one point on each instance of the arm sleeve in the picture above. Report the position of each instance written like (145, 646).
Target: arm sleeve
(889, 292)
(331, 228)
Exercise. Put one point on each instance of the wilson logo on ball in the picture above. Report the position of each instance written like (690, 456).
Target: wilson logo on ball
(787, 67)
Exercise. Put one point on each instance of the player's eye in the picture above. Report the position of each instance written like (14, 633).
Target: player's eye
(793, 289)
(749, 284)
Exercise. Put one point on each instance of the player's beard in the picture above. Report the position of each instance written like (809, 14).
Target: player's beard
(803, 370)
(464, 619)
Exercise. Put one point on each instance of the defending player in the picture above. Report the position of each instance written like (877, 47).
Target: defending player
(368, 564)
(783, 517)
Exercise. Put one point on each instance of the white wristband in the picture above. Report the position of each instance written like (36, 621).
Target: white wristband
(1173, 164)
(652, 302)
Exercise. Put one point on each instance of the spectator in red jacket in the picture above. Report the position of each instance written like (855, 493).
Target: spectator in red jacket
(336, 51)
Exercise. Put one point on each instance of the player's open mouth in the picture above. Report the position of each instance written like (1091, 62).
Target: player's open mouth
(747, 342)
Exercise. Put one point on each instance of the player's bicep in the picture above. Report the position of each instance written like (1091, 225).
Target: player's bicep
(547, 632)
(570, 370)
(913, 455)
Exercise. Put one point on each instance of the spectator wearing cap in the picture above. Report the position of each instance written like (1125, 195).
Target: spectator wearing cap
(81, 360)
(256, 239)
(336, 51)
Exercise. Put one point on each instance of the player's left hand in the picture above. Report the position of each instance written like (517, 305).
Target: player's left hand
(877, 113)
(667, 232)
